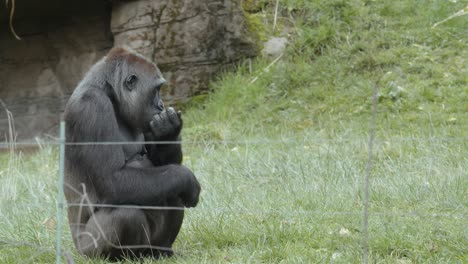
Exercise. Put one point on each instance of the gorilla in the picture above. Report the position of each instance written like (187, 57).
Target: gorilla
(110, 187)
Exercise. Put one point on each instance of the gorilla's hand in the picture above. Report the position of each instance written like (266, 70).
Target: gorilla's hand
(186, 185)
(191, 195)
(166, 125)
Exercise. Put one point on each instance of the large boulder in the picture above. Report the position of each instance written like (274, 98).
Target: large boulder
(189, 40)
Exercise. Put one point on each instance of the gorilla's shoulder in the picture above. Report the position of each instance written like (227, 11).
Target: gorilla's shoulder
(88, 100)
(88, 92)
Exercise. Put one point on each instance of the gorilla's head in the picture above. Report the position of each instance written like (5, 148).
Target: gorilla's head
(136, 83)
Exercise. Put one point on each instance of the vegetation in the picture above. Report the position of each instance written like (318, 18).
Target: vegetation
(281, 148)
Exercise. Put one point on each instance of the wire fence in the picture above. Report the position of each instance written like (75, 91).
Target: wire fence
(291, 141)
(63, 254)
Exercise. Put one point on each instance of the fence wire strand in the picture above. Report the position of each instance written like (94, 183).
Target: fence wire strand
(367, 175)
(7, 145)
(60, 193)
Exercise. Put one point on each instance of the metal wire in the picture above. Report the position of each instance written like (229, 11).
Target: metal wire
(60, 193)
(365, 213)
(227, 142)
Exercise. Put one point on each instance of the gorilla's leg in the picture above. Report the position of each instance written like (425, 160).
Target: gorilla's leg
(115, 233)
(165, 225)
(175, 217)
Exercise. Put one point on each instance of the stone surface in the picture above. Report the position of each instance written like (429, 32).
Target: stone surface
(190, 40)
(274, 46)
(39, 72)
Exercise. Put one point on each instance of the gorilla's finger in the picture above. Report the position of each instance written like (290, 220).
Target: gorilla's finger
(173, 117)
(154, 127)
(170, 110)
(163, 115)
(157, 120)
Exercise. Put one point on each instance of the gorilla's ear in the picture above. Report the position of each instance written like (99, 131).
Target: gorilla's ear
(130, 82)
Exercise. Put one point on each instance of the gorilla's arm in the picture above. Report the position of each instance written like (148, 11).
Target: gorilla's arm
(165, 126)
(163, 154)
(91, 118)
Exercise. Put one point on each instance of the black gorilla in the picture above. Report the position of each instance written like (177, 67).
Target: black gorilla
(118, 101)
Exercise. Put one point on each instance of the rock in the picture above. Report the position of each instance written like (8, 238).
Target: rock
(39, 72)
(275, 46)
(344, 232)
(189, 40)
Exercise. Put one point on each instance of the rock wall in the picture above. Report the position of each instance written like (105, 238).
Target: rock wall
(60, 41)
(190, 40)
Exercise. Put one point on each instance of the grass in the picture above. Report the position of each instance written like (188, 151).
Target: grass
(293, 193)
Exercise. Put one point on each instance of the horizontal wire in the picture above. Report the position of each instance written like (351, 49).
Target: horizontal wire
(226, 142)
(261, 210)
(127, 206)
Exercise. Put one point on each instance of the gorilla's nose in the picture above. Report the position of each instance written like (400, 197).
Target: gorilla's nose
(160, 105)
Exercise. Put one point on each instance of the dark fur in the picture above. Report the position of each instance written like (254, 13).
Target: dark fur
(109, 106)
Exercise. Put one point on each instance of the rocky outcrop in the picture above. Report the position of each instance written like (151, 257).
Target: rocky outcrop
(60, 41)
(190, 40)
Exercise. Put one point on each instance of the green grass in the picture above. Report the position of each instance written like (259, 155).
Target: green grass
(283, 181)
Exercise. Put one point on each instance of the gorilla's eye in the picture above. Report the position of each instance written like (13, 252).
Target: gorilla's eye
(130, 82)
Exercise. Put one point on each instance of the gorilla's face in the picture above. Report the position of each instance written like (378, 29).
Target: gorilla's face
(139, 92)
